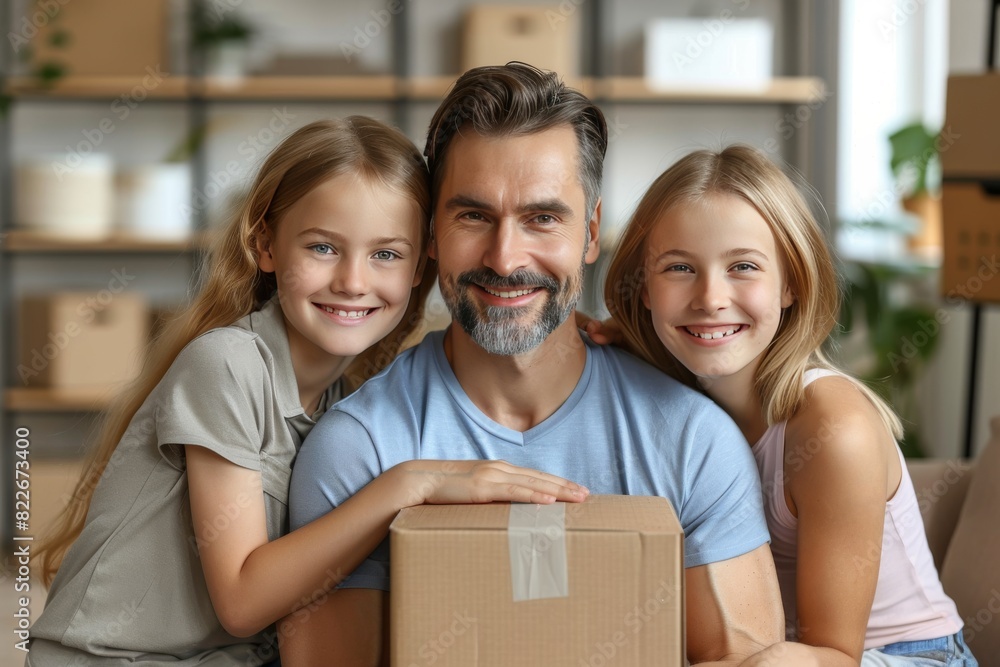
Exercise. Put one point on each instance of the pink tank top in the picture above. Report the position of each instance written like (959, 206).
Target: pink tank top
(909, 602)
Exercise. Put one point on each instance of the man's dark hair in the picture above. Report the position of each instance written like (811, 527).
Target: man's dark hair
(517, 99)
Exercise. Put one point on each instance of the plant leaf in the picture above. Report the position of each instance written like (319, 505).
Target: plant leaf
(50, 72)
(60, 38)
(910, 143)
(870, 292)
(913, 149)
(918, 326)
(188, 145)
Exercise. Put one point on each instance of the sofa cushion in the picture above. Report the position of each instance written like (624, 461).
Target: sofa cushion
(971, 569)
(940, 486)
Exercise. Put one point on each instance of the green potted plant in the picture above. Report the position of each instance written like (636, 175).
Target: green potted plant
(44, 72)
(887, 329)
(916, 165)
(223, 40)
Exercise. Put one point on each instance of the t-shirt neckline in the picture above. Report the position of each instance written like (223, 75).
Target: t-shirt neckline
(520, 438)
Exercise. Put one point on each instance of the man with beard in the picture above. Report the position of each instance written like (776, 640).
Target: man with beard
(515, 160)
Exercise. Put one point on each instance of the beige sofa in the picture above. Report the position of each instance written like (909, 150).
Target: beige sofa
(960, 504)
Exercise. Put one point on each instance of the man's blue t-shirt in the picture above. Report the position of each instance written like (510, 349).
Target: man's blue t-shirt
(625, 429)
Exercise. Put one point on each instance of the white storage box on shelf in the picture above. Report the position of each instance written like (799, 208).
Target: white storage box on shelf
(718, 52)
(66, 196)
(154, 201)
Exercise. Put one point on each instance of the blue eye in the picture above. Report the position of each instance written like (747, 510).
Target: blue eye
(386, 255)
(322, 248)
(677, 268)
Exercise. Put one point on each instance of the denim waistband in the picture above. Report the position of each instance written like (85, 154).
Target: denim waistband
(906, 648)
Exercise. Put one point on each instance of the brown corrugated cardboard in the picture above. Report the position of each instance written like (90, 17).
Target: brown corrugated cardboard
(53, 482)
(81, 340)
(546, 37)
(455, 579)
(970, 159)
(970, 267)
(104, 37)
(970, 146)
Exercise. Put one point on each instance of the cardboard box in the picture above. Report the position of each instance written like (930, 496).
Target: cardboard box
(970, 159)
(81, 340)
(970, 141)
(546, 37)
(971, 242)
(105, 37)
(52, 486)
(574, 585)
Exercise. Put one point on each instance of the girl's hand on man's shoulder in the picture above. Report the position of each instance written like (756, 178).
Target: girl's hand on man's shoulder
(606, 332)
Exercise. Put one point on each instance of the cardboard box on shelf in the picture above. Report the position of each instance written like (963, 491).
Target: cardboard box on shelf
(970, 159)
(104, 37)
(53, 482)
(76, 340)
(558, 585)
(540, 36)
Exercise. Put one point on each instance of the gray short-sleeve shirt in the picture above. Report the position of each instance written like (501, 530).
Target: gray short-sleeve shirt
(131, 588)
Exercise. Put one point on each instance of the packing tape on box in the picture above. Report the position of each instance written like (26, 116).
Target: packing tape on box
(536, 536)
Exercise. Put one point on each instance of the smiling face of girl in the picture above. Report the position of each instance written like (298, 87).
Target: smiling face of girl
(715, 286)
(345, 258)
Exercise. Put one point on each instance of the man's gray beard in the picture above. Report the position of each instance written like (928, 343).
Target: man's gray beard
(500, 333)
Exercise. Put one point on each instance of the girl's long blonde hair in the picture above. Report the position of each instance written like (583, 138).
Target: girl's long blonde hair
(747, 173)
(233, 285)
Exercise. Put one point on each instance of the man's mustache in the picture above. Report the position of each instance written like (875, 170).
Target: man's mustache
(489, 278)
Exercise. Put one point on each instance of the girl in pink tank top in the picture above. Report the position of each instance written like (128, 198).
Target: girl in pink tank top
(723, 279)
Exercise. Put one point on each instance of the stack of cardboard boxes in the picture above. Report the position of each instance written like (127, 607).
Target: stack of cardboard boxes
(84, 343)
(970, 159)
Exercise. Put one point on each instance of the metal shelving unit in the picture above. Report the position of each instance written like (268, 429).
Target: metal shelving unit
(7, 426)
